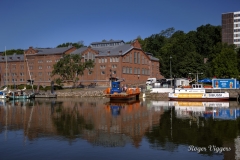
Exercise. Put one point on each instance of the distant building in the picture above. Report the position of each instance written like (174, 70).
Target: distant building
(112, 58)
(231, 28)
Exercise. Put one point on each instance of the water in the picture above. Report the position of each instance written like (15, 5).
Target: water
(93, 128)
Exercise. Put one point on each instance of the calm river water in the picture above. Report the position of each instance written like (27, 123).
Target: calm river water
(93, 128)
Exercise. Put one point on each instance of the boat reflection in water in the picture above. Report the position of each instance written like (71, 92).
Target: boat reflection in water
(116, 107)
(53, 129)
(215, 110)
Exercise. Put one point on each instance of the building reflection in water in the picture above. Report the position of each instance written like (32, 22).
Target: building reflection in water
(96, 120)
(165, 124)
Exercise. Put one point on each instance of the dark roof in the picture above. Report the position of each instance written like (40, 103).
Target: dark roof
(150, 55)
(79, 50)
(12, 58)
(47, 51)
(114, 51)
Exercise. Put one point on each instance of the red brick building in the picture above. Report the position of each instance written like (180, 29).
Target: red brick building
(112, 58)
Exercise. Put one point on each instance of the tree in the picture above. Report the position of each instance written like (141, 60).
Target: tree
(225, 64)
(14, 51)
(77, 45)
(70, 67)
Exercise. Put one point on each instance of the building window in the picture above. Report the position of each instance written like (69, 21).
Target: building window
(48, 67)
(130, 61)
(31, 67)
(127, 70)
(22, 66)
(139, 58)
(130, 70)
(135, 57)
(99, 60)
(105, 60)
(40, 73)
(40, 61)
(103, 72)
(21, 74)
(39, 67)
(31, 73)
(114, 66)
(124, 70)
(114, 72)
(102, 66)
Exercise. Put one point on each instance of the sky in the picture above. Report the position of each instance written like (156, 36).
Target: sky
(48, 23)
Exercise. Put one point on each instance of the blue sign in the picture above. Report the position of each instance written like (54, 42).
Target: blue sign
(224, 83)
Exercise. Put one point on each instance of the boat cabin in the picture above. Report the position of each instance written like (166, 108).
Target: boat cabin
(196, 88)
(115, 87)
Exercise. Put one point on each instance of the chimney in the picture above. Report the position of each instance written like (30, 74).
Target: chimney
(108, 52)
(120, 52)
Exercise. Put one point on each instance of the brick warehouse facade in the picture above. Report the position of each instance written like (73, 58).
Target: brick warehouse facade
(127, 61)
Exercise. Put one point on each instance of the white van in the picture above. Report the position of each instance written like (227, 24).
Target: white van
(151, 81)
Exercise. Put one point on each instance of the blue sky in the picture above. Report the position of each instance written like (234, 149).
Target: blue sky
(48, 23)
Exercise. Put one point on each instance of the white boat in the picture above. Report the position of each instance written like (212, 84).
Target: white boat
(196, 93)
(19, 94)
(3, 93)
(185, 109)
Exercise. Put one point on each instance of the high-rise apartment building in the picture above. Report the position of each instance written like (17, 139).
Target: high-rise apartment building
(231, 28)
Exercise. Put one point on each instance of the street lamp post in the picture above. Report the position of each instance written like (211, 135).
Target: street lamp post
(196, 75)
(171, 70)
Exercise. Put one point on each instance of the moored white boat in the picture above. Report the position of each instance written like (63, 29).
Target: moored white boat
(3, 93)
(197, 93)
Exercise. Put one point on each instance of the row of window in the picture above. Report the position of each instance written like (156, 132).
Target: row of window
(22, 74)
(236, 40)
(13, 74)
(23, 80)
(104, 67)
(48, 61)
(107, 44)
(236, 15)
(39, 67)
(137, 58)
(89, 56)
(236, 20)
(15, 80)
(113, 72)
(236, 30)
(129, 70)
(112, 59)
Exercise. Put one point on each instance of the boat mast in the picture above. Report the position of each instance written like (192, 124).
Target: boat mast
(29, 71)
(6, 80)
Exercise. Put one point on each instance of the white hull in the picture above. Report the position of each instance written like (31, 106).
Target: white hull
(196, 94)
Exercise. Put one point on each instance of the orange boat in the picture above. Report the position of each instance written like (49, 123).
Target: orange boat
(116, 94)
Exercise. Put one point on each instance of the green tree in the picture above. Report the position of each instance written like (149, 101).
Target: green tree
(225, 64)
(70, 67)
(14, 51)
(77, 45)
